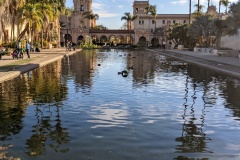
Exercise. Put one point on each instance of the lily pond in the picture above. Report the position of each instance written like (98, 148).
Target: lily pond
(120, 105)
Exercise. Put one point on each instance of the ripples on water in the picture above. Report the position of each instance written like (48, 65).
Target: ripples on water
(81, 108)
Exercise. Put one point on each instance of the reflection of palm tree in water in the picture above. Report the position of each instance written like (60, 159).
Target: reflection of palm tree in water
(192, 139)
(43, 130)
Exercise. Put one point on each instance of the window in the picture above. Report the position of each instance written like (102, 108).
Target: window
(153, 21)
(141, 21)
(136, 9)
(174, 21)
(82, 8)
(151, 30)
(163, 22)
(184, 21)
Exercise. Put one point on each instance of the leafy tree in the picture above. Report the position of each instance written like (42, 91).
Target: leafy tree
(31, 16)
(234, 20)
(178, 34)
(100, 27)
(204, 30)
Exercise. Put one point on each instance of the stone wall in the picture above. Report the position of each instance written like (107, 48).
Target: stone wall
(231, 41)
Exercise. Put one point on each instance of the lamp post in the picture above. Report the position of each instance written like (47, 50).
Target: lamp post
(63, 40)
(42, 29)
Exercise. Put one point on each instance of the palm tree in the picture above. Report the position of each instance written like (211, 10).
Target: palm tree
(198, 12)
(32, 17)
(198, 6)
(4, 10)
(152, 9)
(190, 10)
(47, 11)
(225, 3)
(208, 5)
(14, 5)
(129, 18)
(91, 16)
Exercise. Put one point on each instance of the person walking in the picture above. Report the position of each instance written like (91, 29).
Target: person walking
(28, 47)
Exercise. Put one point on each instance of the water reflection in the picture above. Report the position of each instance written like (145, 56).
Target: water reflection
(81, 107)
(45, 89)
(47, 128)
(12, 107)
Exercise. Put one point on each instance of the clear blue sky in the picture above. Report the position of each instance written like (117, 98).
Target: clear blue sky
(111, 11)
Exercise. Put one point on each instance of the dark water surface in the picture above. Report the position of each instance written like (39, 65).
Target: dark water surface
(81, 108)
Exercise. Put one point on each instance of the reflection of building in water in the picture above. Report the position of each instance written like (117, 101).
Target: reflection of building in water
(82, 70)
(193, 139)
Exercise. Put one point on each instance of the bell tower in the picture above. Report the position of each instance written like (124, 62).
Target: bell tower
(82, 5)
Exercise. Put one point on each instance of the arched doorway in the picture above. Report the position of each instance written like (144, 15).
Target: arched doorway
(67, 37)
(120, 40)
(80, 40)
(103, 39)
(155, 42)
(142, 41)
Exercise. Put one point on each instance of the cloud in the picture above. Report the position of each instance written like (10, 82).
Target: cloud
(104, 14)
(181, 2)
(120, 6)
(97, 6)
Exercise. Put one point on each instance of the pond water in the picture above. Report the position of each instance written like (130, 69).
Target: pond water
(84, 108)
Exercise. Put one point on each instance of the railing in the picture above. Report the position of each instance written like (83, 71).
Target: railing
(112, 31)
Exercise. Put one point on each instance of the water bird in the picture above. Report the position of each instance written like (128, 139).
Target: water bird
(124, 73)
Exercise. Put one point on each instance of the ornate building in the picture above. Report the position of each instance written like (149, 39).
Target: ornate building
(145, 25)
(79, 28)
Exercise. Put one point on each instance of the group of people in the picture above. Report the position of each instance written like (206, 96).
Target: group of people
(68, 45)
(20, 49)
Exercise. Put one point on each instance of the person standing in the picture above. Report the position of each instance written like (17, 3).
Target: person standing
(163, 44)
(28, 47)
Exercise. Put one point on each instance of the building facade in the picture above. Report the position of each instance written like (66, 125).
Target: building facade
(143, 28)
(146, 24)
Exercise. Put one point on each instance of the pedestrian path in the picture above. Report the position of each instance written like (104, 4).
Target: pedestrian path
(226, 65)
(209, 56)
(11, 68)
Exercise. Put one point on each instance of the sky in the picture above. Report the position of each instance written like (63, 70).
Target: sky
(111, 11)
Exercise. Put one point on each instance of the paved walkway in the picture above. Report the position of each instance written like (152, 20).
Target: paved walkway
(226, 65)
(11, 68)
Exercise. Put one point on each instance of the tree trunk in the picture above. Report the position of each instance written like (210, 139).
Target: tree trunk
(3, 29)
